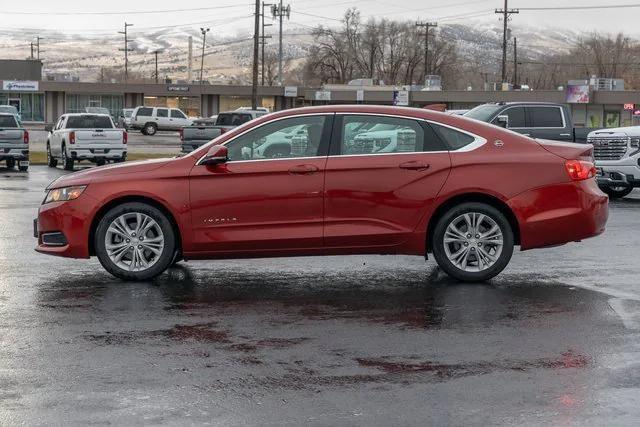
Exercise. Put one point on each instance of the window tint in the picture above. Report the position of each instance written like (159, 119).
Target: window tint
(177, 114)
(232, 119)
(146, 112)
(545, 117)
(89, 122)
(288, 138)
(454, 139)
(378, 135)
(516, 117)
(8, 122)
(162, 112)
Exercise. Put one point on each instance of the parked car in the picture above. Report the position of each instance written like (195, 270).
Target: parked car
(617, 154)
(152, 119)
(79, 136)
(202, 131)
(10, 109)
(542, 120)
(14, 142)
(468, 193)
(124, 121)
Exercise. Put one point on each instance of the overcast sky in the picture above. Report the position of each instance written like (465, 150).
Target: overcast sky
(231, 17)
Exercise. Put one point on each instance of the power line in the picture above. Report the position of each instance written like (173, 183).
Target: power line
(138, 12)
(610, 6)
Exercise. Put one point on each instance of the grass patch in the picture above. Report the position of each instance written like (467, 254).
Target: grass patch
(40, 157)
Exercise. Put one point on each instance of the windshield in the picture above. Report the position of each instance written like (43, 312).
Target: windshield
(483, 113)
(8, 122)
(89, 122)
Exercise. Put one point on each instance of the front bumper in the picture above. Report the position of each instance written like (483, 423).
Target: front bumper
(618, 176)
(560, 213)
(67, 220)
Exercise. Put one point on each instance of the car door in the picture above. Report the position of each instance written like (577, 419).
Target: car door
(257, 204)
(56, 137)
(177, 119)
(162, 118)
(548, 122)
(379, 185)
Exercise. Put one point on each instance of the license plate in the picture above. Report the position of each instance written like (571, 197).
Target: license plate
(599, 172)
(23, 163)
(98, 151)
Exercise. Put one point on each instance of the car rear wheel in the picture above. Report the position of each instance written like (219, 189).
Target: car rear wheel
(473, 242)
(617, 192)
(11, 163)
(67, 162)
(52, 162)
(135, 241)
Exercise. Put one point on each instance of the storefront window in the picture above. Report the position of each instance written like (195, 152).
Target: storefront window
(612, 119)
(30, 105)
(78, 103)
(231, 103)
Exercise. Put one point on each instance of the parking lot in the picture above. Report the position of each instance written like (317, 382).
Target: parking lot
(353, 340)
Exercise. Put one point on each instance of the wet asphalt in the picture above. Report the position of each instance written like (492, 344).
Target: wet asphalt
(554, 340)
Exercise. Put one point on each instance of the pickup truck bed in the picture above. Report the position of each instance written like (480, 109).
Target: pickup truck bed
(194, 137)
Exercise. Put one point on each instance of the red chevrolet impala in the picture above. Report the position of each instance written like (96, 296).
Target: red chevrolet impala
(329, 181)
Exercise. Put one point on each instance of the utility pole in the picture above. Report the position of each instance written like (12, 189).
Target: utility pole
(156, 55)
(279, 11)
(515, 62)
(204, 32)
(126, 51)
(427, 26)
(31, 50)
(256, 37)
(263, 37)
(506, 13)
(38, 38)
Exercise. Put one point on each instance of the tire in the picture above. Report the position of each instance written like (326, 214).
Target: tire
(23, 168)
(67, 162)
(150, 129)
(617, 192)
(11, 162)
(100, 162)
(52, 162)
(159, 260)
(479, 266)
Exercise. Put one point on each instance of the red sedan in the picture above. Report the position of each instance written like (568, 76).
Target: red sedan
(333, 180)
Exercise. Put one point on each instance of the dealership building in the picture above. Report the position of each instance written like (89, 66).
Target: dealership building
(41, 101)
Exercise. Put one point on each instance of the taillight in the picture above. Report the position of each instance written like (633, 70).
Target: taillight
(181, 132)
(26, 137)
(125, 137)
(580, 170)
(72, 137)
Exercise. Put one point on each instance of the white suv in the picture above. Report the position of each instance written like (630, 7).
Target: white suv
(617, 155)
(152, 119)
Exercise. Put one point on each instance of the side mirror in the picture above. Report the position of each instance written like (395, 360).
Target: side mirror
(216, 155)
(502, 121)
(48, 127)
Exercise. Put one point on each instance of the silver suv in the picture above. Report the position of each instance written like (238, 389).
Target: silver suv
(152, 119)
(617, 155)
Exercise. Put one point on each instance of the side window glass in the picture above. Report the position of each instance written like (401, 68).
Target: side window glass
(380, 135)
(287, 138)
(516, 117)
(454, 139)
(177, 114)
(162, 112)
(546, 117)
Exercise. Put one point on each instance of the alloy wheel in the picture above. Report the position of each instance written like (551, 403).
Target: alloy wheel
(473, 242)
(134, 241)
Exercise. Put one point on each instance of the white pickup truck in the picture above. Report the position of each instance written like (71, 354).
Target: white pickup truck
(617, 155)
(92, 137)
(14, 142)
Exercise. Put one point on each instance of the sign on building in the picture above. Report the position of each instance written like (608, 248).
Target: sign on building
(629, 107)
(360, 95)
(176, 88)
(577, 94)
(401, 97)
(291, 91)
(20, 85)
(323, 95)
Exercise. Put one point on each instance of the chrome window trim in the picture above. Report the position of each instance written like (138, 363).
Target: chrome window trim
(477, 143)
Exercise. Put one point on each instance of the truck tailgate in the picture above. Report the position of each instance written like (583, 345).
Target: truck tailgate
(11, 136)
(99, 136)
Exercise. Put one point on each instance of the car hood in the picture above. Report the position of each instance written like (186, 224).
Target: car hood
(86, 176)
(629, 130)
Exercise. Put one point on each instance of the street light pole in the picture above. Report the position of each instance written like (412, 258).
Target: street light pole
(204, 32)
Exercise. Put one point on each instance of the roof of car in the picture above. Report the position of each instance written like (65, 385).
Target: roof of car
(85, 114)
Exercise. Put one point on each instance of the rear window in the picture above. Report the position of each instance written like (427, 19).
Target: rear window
(233, 119)
(546, 117)
(146, 112)
(454, 139)
(8, 122)
(89, 122)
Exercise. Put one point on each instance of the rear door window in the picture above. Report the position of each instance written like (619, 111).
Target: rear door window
(363, 135)
(162, 112)
(89, 122)
(545, 117)
(8, 122)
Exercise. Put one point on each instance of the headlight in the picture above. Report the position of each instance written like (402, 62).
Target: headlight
(635, 142)
(64, 194)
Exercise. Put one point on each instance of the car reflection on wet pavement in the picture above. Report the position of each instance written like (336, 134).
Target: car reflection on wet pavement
(329, 341)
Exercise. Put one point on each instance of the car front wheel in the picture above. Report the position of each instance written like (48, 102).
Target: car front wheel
(473, 242)
(135, 241)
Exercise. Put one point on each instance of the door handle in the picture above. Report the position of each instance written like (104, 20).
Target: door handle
(304, 170)
(415, 166)
(565, 134)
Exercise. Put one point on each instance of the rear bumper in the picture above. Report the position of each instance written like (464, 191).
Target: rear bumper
(68, 219)
(85, 153)
(18, 153)
(560, 213)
